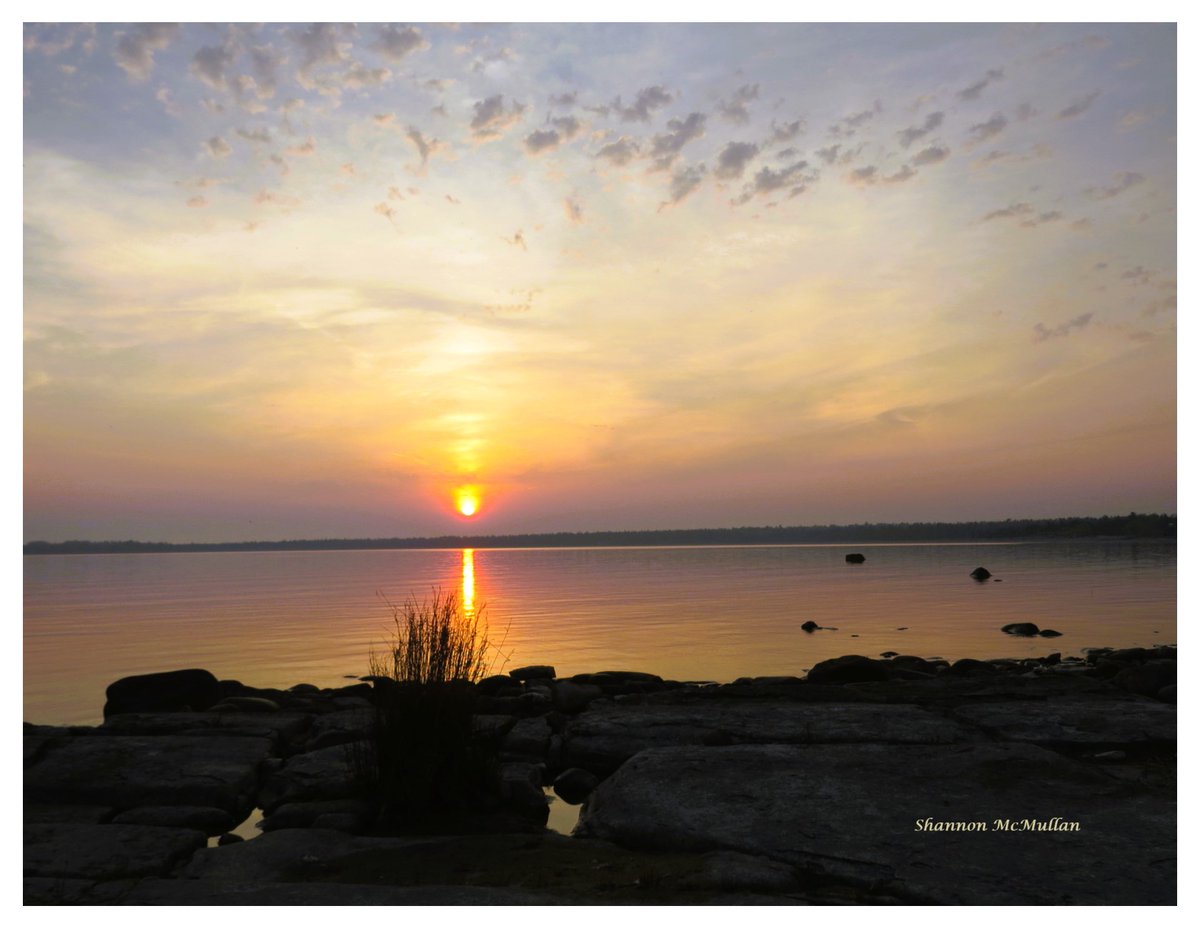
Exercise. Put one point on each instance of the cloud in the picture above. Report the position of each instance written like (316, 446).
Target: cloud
(492, 119)
(783, 133)
(359, 76)
(972, 92)
(517, 240)
(647, 101)
(850, 125)
(931, 156)
(210, 64)
(733, 159)
(395, 42)
(257, 135)
(426, 148)
(54, 39)
(1080, 322)
(564, 100)
(992, 127)
(307, 148)
(563, 130)
(683, 182)
(866, 175)
(574, 211)
(1122, 182)
(735, 111)
(135, 49)
(217, 148)
(383, 208)
(620, 152)
(1044, 217)
(498, 57)
(903, 174)
(1138, 274)
(321, 44)
(1038, 151)
(197, 201)
(267, 197)
(265, 61)
(665, 147)
(768, 180)
(1015, 210)
(1077, 107)
(910, 135)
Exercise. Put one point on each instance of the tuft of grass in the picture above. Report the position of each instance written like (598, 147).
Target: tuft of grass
(434, 643)
(421, 761)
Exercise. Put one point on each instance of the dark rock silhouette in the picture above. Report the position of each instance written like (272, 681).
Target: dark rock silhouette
(809, 626)
(1022, 629)
(855, 558)
(849, 669)
(981, 574)
(187, 690)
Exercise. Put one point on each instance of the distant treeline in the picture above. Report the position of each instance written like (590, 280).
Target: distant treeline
(1132, 526)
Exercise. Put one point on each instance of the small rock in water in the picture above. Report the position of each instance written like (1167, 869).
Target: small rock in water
(533, 672)
(1022, 629)
(855, 558)
(809, 626)
(1050, 633)
(888, 654)
(229, 838)
(901, 628)
(981, 574)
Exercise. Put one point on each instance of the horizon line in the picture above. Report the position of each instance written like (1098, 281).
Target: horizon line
(662, 531)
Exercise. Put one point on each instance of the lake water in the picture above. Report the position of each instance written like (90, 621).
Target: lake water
(280, 618)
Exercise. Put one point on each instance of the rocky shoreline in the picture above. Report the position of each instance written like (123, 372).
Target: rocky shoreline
(870, 781)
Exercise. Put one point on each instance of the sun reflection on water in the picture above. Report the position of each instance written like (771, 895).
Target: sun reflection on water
(468, 581)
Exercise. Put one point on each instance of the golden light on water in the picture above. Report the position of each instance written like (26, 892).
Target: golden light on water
(468, 581)
(467, 500)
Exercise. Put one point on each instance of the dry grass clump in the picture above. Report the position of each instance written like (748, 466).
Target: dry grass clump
(421, 762)
(434, 643)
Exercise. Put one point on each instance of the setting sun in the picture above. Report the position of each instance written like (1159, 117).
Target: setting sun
(467, 501)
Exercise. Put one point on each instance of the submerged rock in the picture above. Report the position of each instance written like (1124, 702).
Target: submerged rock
(981, 574)
(809, 626)
(855, 558)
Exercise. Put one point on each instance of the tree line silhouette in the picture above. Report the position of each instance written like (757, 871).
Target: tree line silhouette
(1131, 526)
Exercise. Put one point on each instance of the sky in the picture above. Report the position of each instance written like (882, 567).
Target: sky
(296, 280)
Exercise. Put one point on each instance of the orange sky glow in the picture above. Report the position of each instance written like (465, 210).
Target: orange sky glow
(328, 280)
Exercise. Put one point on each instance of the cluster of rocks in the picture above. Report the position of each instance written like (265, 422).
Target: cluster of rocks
(778, 789)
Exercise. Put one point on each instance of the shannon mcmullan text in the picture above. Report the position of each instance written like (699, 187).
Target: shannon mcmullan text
(1053, 824)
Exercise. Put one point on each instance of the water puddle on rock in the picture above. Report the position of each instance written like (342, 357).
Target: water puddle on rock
(563, 816)
(247, 830)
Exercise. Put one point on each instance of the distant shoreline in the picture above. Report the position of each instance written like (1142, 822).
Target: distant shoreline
(1132, 526)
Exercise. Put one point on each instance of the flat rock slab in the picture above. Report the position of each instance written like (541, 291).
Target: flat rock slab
(129, 771)
(604, 737)
(278, 726)
(105, 852)
(1086, 720)
(312, 894)
(275, 857)
(332, 772)
(850, 811)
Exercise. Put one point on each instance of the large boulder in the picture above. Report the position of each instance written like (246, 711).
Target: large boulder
(186, 690)
(130, 771)
(854, 813)
(851, 668)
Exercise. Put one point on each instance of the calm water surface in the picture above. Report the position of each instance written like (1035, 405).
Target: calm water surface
(279, 618)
